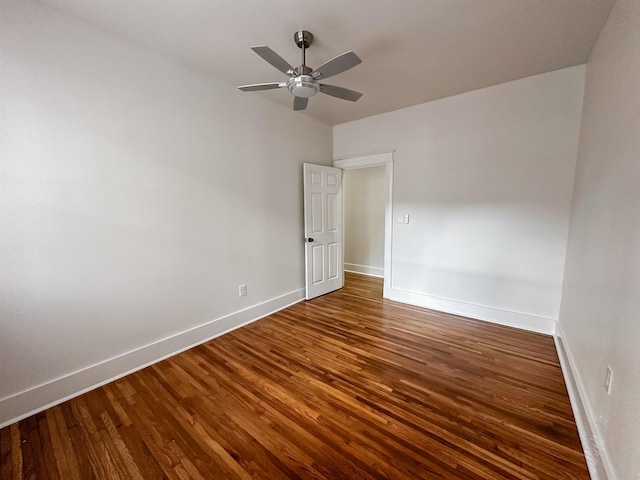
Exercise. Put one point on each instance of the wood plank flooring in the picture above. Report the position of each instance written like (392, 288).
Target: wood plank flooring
(346, 386)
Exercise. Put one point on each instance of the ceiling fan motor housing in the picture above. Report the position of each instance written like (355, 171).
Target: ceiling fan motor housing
(303, 86)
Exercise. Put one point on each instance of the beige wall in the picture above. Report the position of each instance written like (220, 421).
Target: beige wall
(364, 198)
(486, 178)
(135, 197)
(600, 316)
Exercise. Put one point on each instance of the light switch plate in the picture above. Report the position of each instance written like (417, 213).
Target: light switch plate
(608, 379)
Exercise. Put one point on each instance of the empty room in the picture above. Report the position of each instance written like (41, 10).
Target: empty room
(363, 239)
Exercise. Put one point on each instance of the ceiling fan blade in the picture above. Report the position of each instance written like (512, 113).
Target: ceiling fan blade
(273, 58)
(261, 86)
(300, 103)
(339, 92)
(336, 65)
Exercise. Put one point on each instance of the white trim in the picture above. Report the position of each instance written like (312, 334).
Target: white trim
(525, 321)
(376, 160)
(388, 229)
(364, 161)
(364, 270)
(35, 399)
(598, 461)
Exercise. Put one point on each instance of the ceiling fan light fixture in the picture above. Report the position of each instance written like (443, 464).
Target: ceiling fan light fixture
(303, 86)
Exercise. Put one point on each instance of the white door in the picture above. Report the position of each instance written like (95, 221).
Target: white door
(323, 229)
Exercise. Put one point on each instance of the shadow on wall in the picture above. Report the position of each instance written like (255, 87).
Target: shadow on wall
(507, 256)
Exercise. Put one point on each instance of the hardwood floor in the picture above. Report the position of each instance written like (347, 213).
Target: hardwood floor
(346, 386)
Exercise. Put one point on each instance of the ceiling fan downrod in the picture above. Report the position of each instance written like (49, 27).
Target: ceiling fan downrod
(303, 39)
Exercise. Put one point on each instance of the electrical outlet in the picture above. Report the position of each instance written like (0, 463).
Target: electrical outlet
(608, 379)
(242, 290)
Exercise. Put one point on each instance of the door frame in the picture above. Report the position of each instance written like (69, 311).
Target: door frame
(377, 160)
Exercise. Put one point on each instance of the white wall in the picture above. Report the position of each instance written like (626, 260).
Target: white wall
(364, 204)
(135, 197)
(486, 178)
(600, 315)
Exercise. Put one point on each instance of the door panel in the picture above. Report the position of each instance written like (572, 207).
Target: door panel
(323, 229)
(333, 261)
(318, 263)
(332, 212)
(316, 201)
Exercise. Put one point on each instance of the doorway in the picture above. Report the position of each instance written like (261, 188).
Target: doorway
(368, 182)
(364, 220)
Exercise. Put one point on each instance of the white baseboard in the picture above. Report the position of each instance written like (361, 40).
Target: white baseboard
(364, 269)
(598, 462)
(33, 400)
(509, 318)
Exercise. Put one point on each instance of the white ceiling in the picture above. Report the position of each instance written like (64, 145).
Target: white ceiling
(413, 51)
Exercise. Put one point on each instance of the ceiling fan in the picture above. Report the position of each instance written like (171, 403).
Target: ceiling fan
(303, 82)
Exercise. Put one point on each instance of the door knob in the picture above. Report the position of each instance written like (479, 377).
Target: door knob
(310, 240)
